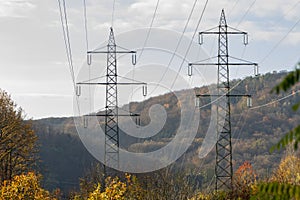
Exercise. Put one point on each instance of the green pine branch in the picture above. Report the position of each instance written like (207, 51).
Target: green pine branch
(280, 191)
(290, 80)
(293, 135)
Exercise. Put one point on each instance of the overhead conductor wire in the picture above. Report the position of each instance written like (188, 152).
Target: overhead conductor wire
(85, 24)
(178, 44)
(146, 40)
(199, 21)
(280, 41)
(270, 52)
(149, 30)
(190, 44)
(87, 49)
(113, 13)
(248, 9)
(66, 37)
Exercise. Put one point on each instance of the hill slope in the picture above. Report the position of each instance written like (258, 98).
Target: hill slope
(64, 158)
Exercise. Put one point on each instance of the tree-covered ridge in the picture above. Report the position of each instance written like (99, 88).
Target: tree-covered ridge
(255, 131)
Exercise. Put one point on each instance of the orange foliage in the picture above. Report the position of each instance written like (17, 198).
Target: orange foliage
(244, 181)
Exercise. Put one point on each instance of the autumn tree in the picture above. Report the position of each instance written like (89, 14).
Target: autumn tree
(115, 189)
(17, 140)
(285, 184)
(169, 184)
(288, 171)
(291, 80)
(25, 186)
(244, 181)
(90, 182)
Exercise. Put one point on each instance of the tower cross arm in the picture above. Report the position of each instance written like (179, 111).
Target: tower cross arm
(105, 52)
(218, 32)
(116, 83)
(119, 115)
(220, 95)
(229, 64)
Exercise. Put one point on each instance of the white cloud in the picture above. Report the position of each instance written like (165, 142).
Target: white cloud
(16, 8)
(32, 54)
(292, 13)
(44, 105)
(268, 8)
(293, 39)
(40, 95)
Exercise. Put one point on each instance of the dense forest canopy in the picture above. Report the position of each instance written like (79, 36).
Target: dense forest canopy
(254, 132)
(66, 164)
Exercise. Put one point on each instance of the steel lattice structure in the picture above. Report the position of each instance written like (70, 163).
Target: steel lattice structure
(223, 167)
(111, 107)
(112, 140)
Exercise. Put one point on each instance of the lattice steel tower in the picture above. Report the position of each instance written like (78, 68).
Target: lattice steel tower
(223, 167)
(112, 140)
(111, 107)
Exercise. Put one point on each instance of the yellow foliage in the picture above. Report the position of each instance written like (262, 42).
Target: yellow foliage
(201, 196)
(17, 140)
(25, 186)
(118, 190)
(285, 182)
(288, 171)
(244, 181)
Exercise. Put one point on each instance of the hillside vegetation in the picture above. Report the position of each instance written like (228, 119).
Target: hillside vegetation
(65, 159)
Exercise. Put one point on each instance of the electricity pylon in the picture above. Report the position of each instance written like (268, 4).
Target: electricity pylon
(223, 167)
(112, 140)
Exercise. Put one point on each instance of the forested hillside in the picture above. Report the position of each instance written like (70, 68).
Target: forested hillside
(64, 159)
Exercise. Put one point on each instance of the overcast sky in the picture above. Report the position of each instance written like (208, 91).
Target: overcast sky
(32, 53)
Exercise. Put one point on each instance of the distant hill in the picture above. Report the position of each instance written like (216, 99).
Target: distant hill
(65, 159)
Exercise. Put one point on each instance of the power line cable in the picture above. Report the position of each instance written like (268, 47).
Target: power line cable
(286, 13)
(85, 24)
(66, 37)
(113, 13)
(147, 38)
(68, 42)
(275, 101)
(271, 50)
(236, 29)
(87, 49)
(241, 129)
(256, 107)
(248, 10)
(267, 104)
(280, 41)
(264, 105)
(264, 58)
(149, 30)
(191, 42)
(235, 58)
(64, 22)
(177, 46)
(272, 102)
(233, 7)
(246, 13)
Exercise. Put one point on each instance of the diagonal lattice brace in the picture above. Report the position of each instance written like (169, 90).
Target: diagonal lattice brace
(223, 167)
